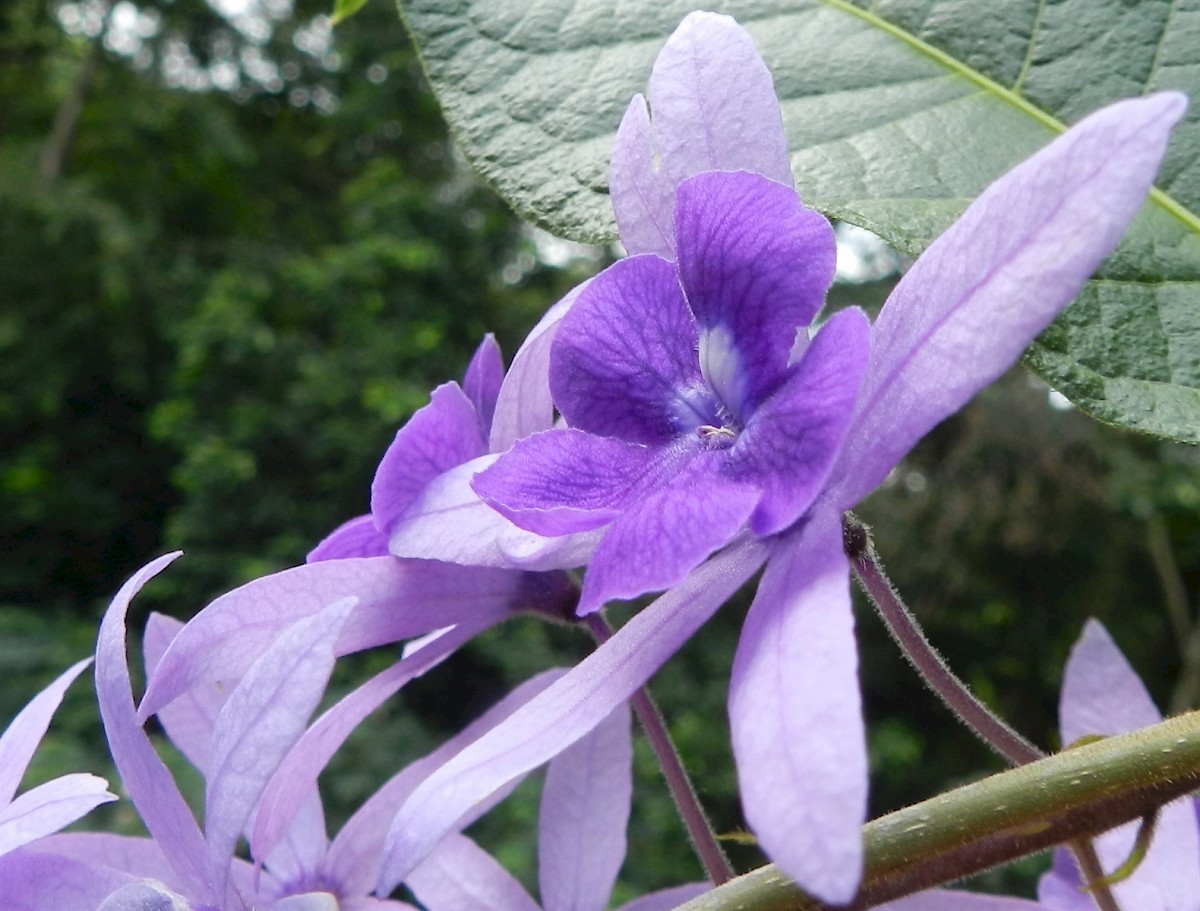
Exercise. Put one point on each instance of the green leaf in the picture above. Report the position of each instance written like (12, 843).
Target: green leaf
(897, 115)
(344, 9)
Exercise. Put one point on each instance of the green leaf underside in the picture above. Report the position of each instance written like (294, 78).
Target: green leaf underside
(897, 113)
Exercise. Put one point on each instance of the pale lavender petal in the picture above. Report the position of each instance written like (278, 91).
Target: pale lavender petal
(145, 896)
(137, 856)
(483, 379)
(355, 855)
(796, 714)
(755, 266)
(301, 851)
(49, 807)
(146, 778)
(624, 363)
(450, 522)
(309, 901)
(21, 738)
(952, 900)
(584, 813)
(524, 405)
(1102, 695)
(664, 535)
(563, 481)
(713, 108)
(263, 718)
(189, 720)
(37, 881)
(666, 899)
(304, 762)
(461, 876)
(1059, 887)
(356, 538)
(643, 198)
(792, 440)
(984, 289)
(566, 711)
(444, 433)
(397, 599)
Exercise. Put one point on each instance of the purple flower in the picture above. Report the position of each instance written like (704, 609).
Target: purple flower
(581, 840)
(239, 734)
(702, 405)
(47, 807)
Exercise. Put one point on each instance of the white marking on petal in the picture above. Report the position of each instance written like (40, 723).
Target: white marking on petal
(721, 364)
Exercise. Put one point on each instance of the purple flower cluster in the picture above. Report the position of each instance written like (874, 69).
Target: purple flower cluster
(714, 420)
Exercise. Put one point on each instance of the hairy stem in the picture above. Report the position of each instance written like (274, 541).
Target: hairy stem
(704, 840)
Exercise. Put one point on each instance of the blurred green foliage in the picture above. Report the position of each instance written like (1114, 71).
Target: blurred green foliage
(218, 303)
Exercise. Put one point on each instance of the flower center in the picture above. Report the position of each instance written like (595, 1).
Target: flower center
(716, 437)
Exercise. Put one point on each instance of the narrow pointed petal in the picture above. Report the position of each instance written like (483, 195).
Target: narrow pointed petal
(303, 847)
(397, 599)
(145, 896)
(713, 104)
(146, 779)
(566, 711)
(356, 538)
(21, 738)
(483, 379)
(796, 714)
(984, 289)
(137, 856)
(355, 855)
(1102, 695)
(664, 536)
(461, 876)
(36, 881)
(624, 363)
(563, 481)
(444, 433)
(190, 719)
(263, 718)
(755, 266)
(524, 405)
(303, 763)
(643, 198)
(791, 442)
(584, 814)
(666, 899)
(450, 522)
(45, 809)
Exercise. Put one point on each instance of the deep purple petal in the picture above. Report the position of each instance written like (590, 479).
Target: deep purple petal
(566, 711)
(356, 538)
(355, 855)
(483, 379)
(146, 778)
(984, 289)
(397, 599)
(584, 813)
(263, 718)
(624, 363)
(792, 440)
(461, 876)
(643, 197)
(1102, 695)
(755, 266)
(450, 522)
(563, 481)
(45, 809)
(444, 433)
(524, 405)
(297, 773)
(664, 535)
(713, 108)
(796, 714)
(25, 732)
